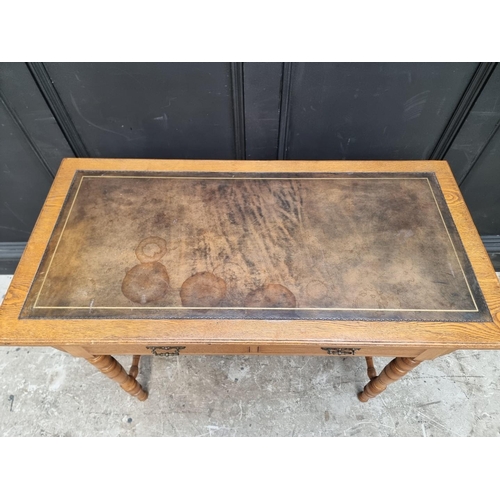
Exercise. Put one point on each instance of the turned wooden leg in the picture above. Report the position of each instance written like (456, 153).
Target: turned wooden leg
(392, 372)
(134, 369)
(370, 368)
(115, 371)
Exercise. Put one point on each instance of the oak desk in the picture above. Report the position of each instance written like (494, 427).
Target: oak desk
(238, 257)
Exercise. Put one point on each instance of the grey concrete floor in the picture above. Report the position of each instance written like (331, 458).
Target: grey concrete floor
(44, 392)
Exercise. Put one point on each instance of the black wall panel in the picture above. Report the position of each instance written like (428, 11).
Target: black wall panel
(478, 129)
(31, 149)
(481, 189)
(149, 110)
(24, 183)
(21, 95)
(391, 111)
(262, 109)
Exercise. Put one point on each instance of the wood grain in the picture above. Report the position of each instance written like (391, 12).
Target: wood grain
(106, 333)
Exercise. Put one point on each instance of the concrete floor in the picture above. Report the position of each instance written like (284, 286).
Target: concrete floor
(44, 392)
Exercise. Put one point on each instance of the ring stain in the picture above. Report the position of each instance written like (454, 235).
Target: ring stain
(273, 295)
(146, 283)
(146, 251)
(203, 290)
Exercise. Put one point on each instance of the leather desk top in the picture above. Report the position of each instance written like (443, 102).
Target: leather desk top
(266, 246)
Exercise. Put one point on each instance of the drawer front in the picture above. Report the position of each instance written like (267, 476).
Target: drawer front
(167, 350)
(291, 350)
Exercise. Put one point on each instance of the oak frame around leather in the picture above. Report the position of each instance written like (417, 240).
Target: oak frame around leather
(116, 335)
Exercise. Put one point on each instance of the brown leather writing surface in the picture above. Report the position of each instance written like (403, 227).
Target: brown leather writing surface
(353, 246)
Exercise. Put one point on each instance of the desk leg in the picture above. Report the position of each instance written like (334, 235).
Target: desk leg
(392, 372)
(115, 371)
(370, 368)
(134, 369)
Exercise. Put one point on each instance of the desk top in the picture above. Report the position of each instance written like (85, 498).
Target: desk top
(286, 251)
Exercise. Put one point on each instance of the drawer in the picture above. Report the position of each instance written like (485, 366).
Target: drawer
(276, 350)
(173, 349)
(318, 350)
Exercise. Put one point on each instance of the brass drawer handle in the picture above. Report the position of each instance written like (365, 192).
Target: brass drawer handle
(335, 351)
(166, 351)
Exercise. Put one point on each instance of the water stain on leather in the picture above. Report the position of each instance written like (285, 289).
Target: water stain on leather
(273, 295)
(151, 249)
(146, 282)
(203, 290)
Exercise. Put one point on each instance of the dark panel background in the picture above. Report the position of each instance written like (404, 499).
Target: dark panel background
(31, 148)
(245, 110)
(24, 185)
(372, 111)
(262, 109)
(478, 129)
(145, 110)
(21, 94)
(481, 188)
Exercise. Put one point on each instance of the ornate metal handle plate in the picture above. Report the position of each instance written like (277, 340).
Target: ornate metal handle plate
(166, 351)
(335, 351)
